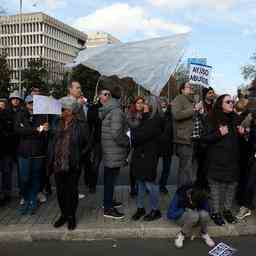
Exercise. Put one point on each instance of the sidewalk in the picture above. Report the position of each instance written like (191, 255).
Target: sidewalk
(92, 225)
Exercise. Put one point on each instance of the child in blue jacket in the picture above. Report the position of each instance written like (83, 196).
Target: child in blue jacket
(189, 208)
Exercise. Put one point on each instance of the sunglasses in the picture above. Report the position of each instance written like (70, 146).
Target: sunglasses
(105, 94)
(229, 102)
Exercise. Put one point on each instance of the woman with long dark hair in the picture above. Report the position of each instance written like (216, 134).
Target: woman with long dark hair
(222, 161)
(145, 140)
(134, 118)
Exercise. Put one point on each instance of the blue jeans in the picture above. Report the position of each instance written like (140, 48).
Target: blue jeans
(30, 175)
(153, 190)
(167, 160)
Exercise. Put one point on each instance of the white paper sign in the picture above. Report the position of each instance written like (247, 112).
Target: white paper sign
(200, 74)
(43, 105)
(222, 250)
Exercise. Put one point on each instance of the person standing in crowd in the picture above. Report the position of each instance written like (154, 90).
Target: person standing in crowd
(5, 168)
(14, 107)
(189, 208)
(115, 142)
(32, 131)
(247, 190)
(145, 141)
(134, 118)
(166, 144)
(183, 108)
(96, 152)
(222, 137)
(75, 92)
(209, 97)
(69, 144)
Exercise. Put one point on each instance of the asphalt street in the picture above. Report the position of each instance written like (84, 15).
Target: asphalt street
(246, 246)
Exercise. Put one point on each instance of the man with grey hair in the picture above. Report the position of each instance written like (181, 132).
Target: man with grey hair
(183, 108)
(75, 92)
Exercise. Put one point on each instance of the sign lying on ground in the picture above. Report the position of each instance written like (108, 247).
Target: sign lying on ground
(43, 105)
(222, 250)
(200, 74)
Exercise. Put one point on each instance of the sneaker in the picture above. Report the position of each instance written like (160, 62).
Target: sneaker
(164, 190)
(81, 196)
(153, 215)
(243, 213)
(23, 210)
(22, 201)
(41, 198)
(218, 219)
(178, 242)
(229, 217)
(139, 213)
(113, 213)
(60, 222)
(115, 204)
(208, 240)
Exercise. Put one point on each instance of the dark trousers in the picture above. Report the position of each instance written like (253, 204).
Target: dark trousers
(67, 192)
(45, 179)
(249, 191)
(167, 160)
(110, 178)
(96, 156)
(6, 169)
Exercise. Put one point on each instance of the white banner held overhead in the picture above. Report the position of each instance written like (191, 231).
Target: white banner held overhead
(43, 105)
(149, 62)
(200, 74)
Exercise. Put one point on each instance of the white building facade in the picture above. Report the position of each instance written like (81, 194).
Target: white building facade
(96, 39)
(42, 37)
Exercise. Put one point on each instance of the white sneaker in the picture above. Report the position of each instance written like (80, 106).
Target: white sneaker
(41, 198)
(179, 240)
(208, 240)
(81, 196)
(243, 213)
(22, 201)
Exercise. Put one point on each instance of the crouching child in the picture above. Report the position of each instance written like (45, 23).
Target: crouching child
(189, 208)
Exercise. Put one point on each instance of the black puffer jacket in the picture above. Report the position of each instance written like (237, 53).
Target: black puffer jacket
(222, 152)
(145, 141)
(13, 137)
(166, 138)
(32, 143)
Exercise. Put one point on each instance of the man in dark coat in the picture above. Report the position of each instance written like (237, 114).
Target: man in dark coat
(166, 144)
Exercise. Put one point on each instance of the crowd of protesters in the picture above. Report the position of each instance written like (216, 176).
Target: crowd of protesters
(213, 137)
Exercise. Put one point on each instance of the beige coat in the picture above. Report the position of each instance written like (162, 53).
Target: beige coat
(182, 110)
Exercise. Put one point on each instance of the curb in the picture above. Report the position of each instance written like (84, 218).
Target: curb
(21, 233)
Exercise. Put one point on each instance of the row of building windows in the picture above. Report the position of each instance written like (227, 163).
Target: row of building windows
(25, 28)
(39, 39)
(13, 29)
(26, 40)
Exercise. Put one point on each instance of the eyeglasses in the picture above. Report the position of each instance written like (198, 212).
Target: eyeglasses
(229, 102)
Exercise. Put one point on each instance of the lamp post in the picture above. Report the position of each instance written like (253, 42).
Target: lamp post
(20, 47)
